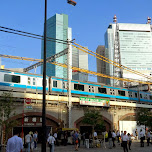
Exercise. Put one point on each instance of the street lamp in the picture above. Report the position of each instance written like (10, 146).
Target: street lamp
(44, 79)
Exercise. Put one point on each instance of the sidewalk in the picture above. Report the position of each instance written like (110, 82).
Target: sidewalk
(70, 148)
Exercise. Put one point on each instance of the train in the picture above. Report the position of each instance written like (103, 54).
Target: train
(20, 81)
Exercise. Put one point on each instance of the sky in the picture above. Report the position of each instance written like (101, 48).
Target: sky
(89, 20)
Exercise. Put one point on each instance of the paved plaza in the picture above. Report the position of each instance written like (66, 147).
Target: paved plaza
(70, 148)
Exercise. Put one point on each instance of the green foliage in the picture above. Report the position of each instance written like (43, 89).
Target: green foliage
(6, 111)
(93, 118)
(144, 117)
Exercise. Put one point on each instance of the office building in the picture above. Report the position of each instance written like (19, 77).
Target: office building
(130, 45)
(80, 60)
(101, 65)
(57, 28)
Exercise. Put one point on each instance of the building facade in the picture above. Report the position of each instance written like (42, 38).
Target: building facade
(80, 60)
(101, 65)
(135, 45)
(57, 28)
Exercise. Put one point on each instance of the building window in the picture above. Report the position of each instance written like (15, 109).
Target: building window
(55, 84)
(122, 93)
(102, 90)
(11, 78)
(78, 87)
(29, 81)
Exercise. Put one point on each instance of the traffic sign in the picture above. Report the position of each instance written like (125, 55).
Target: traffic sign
(27, 100)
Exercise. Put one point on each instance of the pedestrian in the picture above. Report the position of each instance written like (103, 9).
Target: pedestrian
(121, 137)
(148, 137)
(75, 137)
(113, 138)
(95, 135)
(87, 138)
(35, 136)
(51, 141)
(118, 136)
(130, 141)
(110, 139)
(83, 138)
(142, 138)
(14, 144)
(28, 141)
(56, 138)
(32, 142)
(125, 140)
(65, 138)
(79, 138)
(136, 134)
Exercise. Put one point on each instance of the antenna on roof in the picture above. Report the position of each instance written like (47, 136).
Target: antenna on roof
(115, 19)
(148, 20)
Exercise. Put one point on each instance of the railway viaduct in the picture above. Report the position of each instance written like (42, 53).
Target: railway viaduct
(57, 112)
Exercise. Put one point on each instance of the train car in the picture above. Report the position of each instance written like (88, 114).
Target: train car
(79, 88)
(20, 81)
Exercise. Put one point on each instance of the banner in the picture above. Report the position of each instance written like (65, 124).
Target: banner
(94, 102)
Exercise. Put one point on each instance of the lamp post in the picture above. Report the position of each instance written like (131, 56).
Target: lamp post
(44, 79)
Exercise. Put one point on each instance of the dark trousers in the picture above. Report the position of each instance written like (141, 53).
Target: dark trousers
(129, 145)
(148, 140)
(35, 144)
(124, 143)
(118, 138)
(113, 140)
(142, 141)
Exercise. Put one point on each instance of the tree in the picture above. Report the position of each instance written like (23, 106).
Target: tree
(6, 111)
(93, 118)
(144, 117)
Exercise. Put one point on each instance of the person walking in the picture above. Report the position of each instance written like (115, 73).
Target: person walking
(113, 138)
(130, 141)
(87, 138)
(136, 134)
(51, 141)
(141, 138)
(32, 142)
(148, 137)
(28, 141)
(56, 138)
(110, 139)
(125, 139)
(35, 137)
(75, 137)
(118, 136)
(14, 144)
(121, 137)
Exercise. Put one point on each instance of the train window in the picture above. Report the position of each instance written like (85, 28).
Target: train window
(11, 78)
(92, 89)
(78, 87)
(55, 84)
(34, 82)
(136, 95)
(102, 90)
(150, 97)
(140, 95)
(122, 93)
(89, 89)
(29, 81)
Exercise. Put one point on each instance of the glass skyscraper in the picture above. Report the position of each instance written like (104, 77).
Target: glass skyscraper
(135, 44)
(57, 28)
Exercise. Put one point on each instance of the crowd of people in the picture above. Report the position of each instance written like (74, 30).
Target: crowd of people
(75, 137)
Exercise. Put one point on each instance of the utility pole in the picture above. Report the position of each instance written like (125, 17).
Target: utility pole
(69, 59)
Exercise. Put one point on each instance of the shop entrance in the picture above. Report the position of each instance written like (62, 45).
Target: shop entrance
(27, 129)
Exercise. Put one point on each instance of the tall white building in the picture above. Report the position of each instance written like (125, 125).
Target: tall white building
(135, 49)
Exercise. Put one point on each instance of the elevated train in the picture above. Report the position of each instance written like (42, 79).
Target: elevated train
(18, 81)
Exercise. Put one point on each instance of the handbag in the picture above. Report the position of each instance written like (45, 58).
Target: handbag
(76, 141)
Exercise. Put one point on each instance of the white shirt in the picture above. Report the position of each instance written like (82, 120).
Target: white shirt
(14, 144)
(95, 134)
(35, 136)
(113, 135)
(28, 138)
(118, 133)
(125, 138)
(55, 135)
(51, 140)
(141, 134)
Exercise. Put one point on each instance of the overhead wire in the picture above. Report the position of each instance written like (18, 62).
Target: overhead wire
(110, 61)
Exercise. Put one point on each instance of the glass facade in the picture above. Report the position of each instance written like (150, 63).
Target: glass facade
(135, 43)
(57, 27)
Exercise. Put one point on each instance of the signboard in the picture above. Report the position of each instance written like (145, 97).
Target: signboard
(94, 102)
(27, 104)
